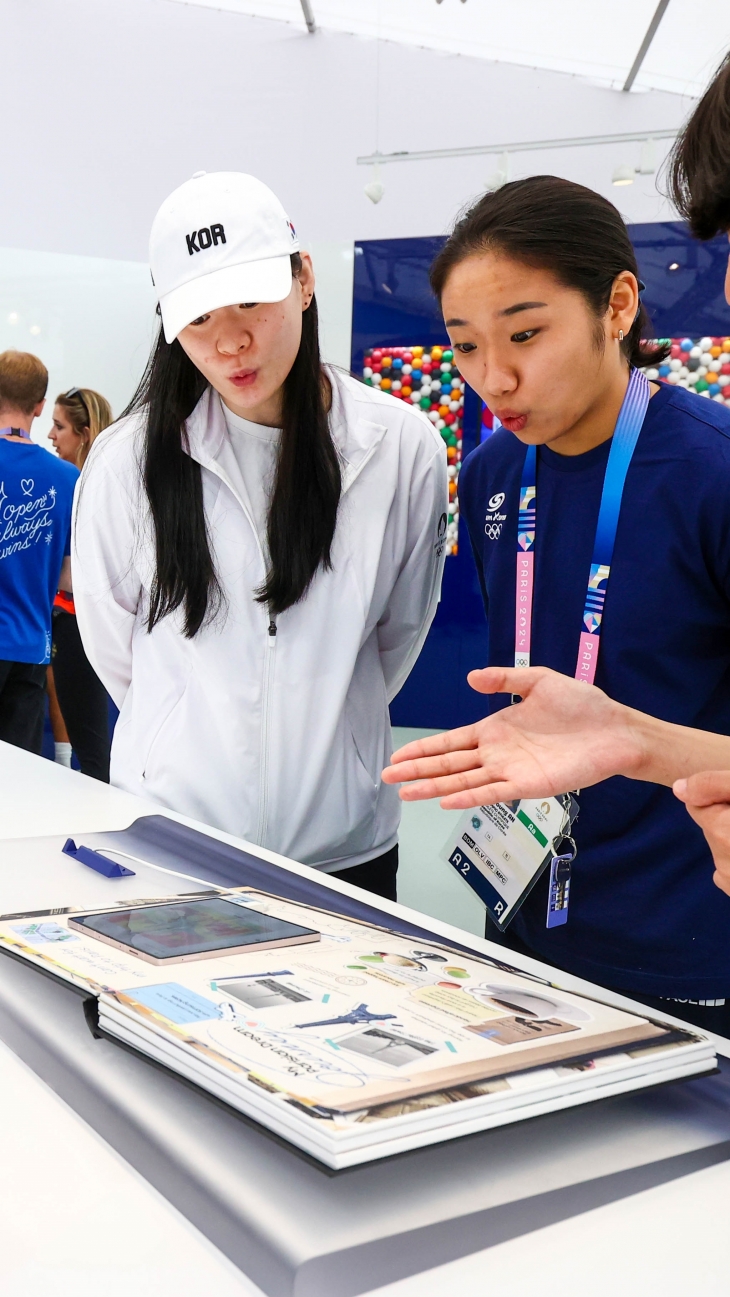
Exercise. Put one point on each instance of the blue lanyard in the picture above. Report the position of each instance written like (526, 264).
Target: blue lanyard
(626, 434)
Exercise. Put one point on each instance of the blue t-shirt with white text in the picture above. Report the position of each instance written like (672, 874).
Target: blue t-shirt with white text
(644, 912)
(36, 495)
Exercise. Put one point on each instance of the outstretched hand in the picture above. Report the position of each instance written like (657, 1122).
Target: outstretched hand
(707, 798)
(564, 734)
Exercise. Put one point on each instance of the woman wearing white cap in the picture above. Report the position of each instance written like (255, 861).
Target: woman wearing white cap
(258, 550)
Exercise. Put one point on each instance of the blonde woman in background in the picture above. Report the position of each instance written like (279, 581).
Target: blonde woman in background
(79, 704)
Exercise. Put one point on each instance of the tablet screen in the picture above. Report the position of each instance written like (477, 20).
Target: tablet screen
(189, 928)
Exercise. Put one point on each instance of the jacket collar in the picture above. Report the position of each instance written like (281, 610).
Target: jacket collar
(355, 436)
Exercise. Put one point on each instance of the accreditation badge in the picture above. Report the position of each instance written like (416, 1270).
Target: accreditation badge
(502, 850)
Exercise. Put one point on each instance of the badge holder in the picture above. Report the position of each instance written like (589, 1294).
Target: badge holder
(501, 851)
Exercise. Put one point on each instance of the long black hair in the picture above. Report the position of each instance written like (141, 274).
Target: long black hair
(699, 164)
(558, 226)
(304, 501)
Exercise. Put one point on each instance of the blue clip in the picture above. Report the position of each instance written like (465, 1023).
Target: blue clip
(95, 860)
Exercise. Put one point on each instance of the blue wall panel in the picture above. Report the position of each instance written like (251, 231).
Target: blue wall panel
(394, 306)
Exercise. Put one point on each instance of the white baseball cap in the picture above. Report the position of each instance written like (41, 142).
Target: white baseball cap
(221, 238)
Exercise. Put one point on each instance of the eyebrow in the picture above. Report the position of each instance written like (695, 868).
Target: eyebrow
(521, 306)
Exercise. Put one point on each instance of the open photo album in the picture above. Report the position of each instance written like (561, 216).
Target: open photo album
(344, 1038)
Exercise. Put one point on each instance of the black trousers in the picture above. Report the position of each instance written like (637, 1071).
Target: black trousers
(22, 704)
(378, 875)
(82, 698)
(708, 1017)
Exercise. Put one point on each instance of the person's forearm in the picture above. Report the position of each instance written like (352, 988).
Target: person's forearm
(666, 752)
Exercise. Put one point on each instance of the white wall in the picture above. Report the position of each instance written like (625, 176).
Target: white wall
(92, 321)
(109, 104)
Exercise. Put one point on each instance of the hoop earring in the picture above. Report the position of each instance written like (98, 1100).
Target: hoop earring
(620, 335)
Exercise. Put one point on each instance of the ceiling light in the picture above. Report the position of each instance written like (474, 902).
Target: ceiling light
(500, 176)
(13, 317)
(375, 189)
(35, 329)
(623, 175)
(647, 159)
(673, 265)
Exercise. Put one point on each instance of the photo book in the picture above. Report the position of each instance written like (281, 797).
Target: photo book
(344, 1038)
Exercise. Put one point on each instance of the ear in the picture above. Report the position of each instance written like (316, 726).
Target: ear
(623, 303)
(37, 412)
(305, 279)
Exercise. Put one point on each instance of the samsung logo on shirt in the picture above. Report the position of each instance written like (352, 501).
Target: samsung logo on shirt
(207, 238)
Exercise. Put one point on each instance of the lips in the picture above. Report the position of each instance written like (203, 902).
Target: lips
(244, 378)
(511, 420)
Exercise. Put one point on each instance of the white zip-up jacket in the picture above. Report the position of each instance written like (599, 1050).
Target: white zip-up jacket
(281, 738)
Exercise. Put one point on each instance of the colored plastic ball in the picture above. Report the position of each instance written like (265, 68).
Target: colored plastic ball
(443, 410)
(696, 352)
(715, 351)
(367, 372)
(686, 344)
(706, 358)
(705, 343)
(448, 416)
(712, 377)
(426, 367)
(714, 388)
(387, 362)
(701, 385)
(397, 363)
(416, 398)
(675, 364)
(725, 369)
(396, 385)
(377, 354)
(726, 344)
(693, 363)
(407, 357)
(673, 377)
(663, 371)
(448, 355)
(436, 353)
(377, 380)
(425, 403)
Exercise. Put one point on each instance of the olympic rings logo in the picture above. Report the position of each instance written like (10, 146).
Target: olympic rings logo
(493, 530)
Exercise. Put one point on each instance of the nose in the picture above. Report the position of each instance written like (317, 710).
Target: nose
(498, 378)
(232, 341)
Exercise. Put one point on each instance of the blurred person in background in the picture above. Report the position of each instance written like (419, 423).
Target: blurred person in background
(79, 703)
(36, 496)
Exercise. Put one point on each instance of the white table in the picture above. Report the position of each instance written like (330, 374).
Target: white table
(69, 1241)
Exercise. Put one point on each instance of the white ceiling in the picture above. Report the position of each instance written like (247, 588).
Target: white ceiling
(598, 39)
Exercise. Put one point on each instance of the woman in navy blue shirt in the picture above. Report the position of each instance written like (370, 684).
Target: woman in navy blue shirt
(539, 289)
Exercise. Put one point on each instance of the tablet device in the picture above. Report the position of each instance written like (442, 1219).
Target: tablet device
(180, 931)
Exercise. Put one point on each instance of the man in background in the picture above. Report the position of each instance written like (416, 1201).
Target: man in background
(36, 494)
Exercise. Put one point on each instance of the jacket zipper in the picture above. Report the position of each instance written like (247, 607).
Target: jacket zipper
(265, 720)
(268, 672)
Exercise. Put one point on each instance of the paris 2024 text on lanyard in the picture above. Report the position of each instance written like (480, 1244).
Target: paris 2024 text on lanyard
(502, 850)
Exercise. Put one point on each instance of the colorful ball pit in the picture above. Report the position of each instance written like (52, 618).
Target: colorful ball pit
(699, 364)
(426, 377)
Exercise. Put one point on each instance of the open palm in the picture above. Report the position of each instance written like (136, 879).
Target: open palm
(564, 734)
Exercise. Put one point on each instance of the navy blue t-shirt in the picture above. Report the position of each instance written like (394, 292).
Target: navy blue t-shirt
(645, 914)
(36, 494)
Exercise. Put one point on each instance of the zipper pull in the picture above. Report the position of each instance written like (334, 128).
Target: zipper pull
(272, 630)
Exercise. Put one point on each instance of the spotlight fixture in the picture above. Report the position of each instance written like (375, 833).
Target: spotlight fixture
(673, 265)
(500, 176)
(623, 175)
(375, 188)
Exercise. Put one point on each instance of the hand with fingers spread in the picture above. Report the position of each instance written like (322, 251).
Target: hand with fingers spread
(563, 735)
(707, 798)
